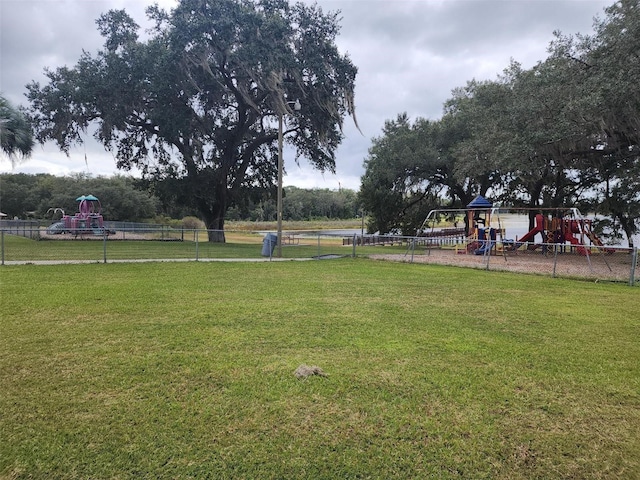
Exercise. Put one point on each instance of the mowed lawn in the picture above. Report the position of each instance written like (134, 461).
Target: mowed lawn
(185, 370)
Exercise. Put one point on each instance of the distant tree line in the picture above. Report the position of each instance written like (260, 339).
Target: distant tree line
(32, 196)
(563, 133)
(131, 199)
(301, 204)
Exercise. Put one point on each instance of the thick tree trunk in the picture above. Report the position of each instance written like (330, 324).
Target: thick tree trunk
(213, 214)
(536, 193)
(627, 225)
(216, 235)
(212, 200)
(214, 219)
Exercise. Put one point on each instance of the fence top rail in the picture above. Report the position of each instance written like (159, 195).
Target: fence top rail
(32, 229)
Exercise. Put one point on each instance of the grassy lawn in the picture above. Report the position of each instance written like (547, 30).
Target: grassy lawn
(238, 245)
(177, 370)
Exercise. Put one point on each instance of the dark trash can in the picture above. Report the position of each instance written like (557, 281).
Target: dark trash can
(269, 244)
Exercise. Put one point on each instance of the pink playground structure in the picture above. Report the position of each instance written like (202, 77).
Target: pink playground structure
(87, 221)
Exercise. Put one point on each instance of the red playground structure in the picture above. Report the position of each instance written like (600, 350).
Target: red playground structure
(558, 228)
(87, 221)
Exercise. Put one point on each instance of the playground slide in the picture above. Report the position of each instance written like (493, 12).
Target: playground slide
(527, 237)
(485, 249)
(574, 241)
(55, 228)
(530, 235)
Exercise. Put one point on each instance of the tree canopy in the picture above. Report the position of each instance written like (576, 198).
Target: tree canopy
(565, 132)
(16, 138)
(39, 195)
(129, 199)
(198, 101)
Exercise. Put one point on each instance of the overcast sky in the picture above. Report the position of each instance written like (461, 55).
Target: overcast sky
(410, 54)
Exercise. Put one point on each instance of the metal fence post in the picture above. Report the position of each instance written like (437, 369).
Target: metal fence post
(354, 246)
(487, 251)
(2, 244)
(634, 265)
(413, 247)
(104, 247)
(197, 234)
(555, 258)
(318, 245)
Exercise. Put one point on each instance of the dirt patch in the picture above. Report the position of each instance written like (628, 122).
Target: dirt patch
(118, 235)
(598, 266)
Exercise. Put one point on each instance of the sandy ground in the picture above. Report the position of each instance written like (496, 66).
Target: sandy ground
(598, 266)
(118, 235)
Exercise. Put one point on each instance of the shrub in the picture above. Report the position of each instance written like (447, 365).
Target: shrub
(192, 223)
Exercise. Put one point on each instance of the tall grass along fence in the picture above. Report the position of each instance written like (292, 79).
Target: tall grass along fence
(145, 242)
(27, 242)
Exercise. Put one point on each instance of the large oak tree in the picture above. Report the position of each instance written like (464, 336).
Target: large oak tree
(198, 101)
(563, 133)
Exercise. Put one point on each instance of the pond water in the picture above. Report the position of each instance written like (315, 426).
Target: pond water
(516, 226)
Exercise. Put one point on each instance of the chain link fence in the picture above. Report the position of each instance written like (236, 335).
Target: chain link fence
(31, 243)
(591, 262)
(27, 242)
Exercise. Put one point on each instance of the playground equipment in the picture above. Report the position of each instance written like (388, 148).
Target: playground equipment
(87, 221)
(538, 228)
(485, 241)
(558, 227)
(481, 235)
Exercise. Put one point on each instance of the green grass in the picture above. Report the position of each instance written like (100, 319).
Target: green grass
(238, 245)
(186, 371)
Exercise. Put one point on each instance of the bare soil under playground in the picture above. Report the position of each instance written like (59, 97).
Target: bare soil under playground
(598, 266)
